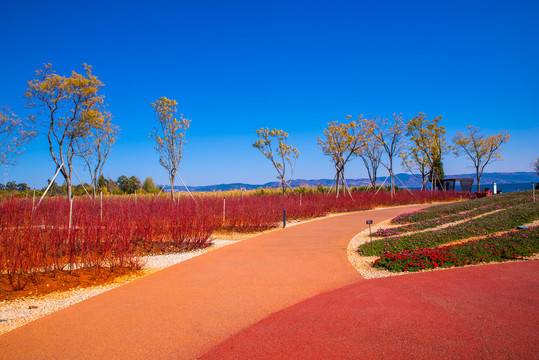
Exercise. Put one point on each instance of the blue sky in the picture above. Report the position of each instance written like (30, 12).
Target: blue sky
(294, 65)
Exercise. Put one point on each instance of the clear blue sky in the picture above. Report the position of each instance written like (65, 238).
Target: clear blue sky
(295, 65)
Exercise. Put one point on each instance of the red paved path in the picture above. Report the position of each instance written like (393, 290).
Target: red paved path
(183, 311)
(481, 312)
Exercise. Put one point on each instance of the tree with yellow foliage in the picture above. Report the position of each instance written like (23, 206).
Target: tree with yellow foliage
(169, 137)
(341, 143)
(280, 156)
(480, 149)
(69, 107)
(415, 162)
(428, 146)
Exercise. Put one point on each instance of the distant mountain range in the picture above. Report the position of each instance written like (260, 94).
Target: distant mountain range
(410, 181)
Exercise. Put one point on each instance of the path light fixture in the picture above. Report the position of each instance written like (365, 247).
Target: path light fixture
(369, 222)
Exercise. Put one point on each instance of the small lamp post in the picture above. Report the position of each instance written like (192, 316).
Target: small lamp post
(369, 222)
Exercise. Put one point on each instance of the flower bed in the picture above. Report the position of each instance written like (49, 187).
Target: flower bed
(504, 220)
(442, 220)
(511, 245)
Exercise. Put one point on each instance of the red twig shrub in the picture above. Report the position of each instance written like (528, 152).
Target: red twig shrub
(42, 240)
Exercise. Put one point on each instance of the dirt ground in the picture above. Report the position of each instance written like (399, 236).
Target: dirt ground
(46, 283)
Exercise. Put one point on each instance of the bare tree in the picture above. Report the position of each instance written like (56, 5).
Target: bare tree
(389, 134)
(70, 108)
(341, 143)
(95, 147)
(480, 149)
(281, 155)
(13, 136)
(169, 137)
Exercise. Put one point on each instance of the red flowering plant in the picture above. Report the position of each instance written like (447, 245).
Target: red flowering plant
(512, 245)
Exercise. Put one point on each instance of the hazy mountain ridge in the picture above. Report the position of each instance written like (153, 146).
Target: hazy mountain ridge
(408, 180)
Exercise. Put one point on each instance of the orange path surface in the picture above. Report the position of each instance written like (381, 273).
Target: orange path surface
(182, 311)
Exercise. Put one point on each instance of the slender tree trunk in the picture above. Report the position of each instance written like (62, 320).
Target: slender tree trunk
(341, 177)
(343, 182)
(370, 176)
(392, 176)
(96, 184)
(478, 177)
(369, 167)
(172, 186)
(283, 188)
(337, 182)
(68, 184)
(374, 177)
(66, 173)
(392, 183)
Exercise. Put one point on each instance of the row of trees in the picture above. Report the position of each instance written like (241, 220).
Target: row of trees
(127, 185)
(419, 143)
(70, 111)
(123, 185)
(13, 186)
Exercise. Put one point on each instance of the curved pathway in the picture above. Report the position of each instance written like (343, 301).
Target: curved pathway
(185, 310)
(479, 312)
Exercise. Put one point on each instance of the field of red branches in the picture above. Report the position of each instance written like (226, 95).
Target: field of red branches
(115, 232)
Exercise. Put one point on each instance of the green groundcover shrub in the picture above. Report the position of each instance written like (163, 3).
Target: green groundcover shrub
(438, 211)
(502, 221)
